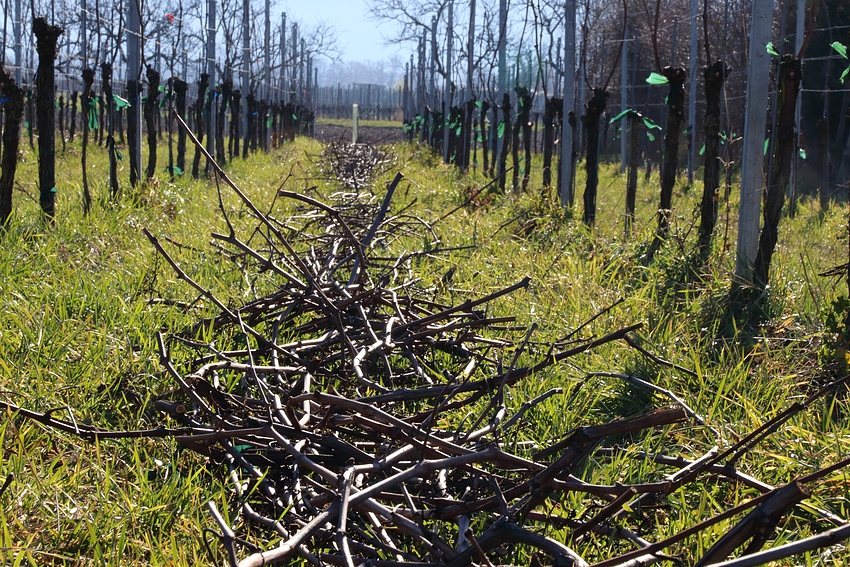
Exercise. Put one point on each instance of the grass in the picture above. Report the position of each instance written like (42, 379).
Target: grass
(77, 332)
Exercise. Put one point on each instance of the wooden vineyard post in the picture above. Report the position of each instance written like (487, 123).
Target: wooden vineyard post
(150, 119)
(134, 73)
(549, 114)
(670, 161)
(61, 107)
(504, 136)
(46, 37)
(798, 45)
(87, 102)
(225, 91)
(788, 84)
(200, 125)
(235, 121)
(180, 88)
(714, 76)
(106, 81)
(13, 112)
(595, 108)
(73, 116)
(634, 157)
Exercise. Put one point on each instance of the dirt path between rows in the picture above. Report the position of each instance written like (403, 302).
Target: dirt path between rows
(368, 134)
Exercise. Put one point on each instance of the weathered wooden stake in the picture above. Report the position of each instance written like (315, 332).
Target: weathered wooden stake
(46, 39)
(13, 111)
(88, 80)
(180, 88)
(106, 81)
(714, 76)
(595, 108)
(670, 162)
(150, 119)
(788, 84)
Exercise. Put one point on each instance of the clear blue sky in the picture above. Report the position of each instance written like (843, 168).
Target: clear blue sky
(360, 38)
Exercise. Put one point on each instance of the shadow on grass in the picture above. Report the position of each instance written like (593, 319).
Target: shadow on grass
(736, 316)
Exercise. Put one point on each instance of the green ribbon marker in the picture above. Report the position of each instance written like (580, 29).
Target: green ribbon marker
(650, 124)
(657, 79)
(626, 111)
(841, 49)
(92, 104)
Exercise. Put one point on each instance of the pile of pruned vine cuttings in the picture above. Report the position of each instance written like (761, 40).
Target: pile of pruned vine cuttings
(363, 422)
(355, 165)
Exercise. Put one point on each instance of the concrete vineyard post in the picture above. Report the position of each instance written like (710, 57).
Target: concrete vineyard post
(433, 84)
(405, 112)
(798, 44)
(246, 63)
(752, 173)
(293, 89)
(692, 94)
(16, 29)
(447, 96)
(282, 59)
(503, 43)
(301, 65)
(267, 71)
(582, 81)
(355, 122)
(211, 23)
(84, 44)
(468, 137)
(569, 102)
(503, 63)
(624, 97)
